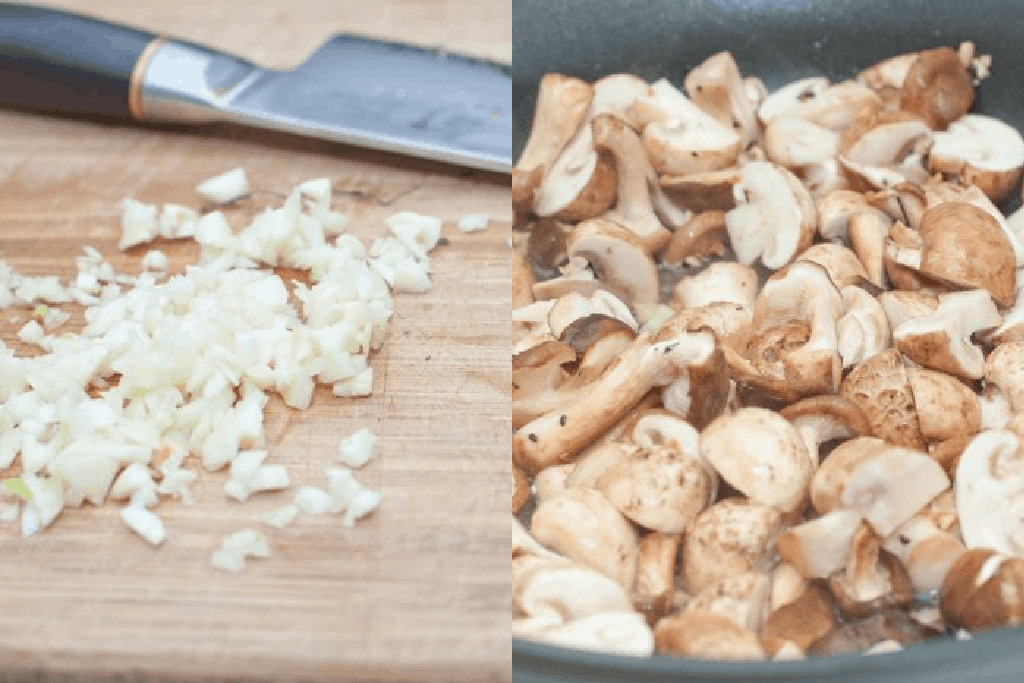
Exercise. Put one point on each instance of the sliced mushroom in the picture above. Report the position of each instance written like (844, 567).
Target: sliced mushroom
(801, 622)
(615, 94)
(744, 598)
(829, 418)
(703, 635)
(562, 104)
(842, 265)
(761, 455)
(939, 192)
(722, 282)
(575, 276)
(700, 238)
(901, 306)
(557, 436)
(817, 100)
(874, 580)
(717, 87)
(868, 231)
(905, 203)
(582, 183)
(880, 387)
(937, 87)
(1004, 369)
(705, 191)
(984, 589)
(820, 547)
(655, 572)
(679, 136)
(617, 633)
(990, 492)
(925, 550)
(567, 590)
(863, 331)
(788, 584)
(774, 218)
(583, 526)
(883, 139)
(730, 537)
(980, 150)
(942, 341)
(619, 259)
(523, 544)
(888, 74)
(946, 408)
(835, 210)
(795, 142)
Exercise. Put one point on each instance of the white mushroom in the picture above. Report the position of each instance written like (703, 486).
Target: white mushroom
(817, 100)
(795, 142)
(980, 150)
(774, 218)
(820, 547)
(580, 184)
(728, 538)
(863, 330)
(618, 257)
(990, 492)
(724, 281)
(717, 87)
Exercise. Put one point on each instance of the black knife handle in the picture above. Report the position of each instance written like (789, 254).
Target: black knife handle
(62, 62)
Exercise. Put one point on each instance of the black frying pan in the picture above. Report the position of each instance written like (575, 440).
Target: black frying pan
(780, 41)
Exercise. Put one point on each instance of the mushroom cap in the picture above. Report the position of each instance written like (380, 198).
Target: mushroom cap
(982, 151)
(830, 417)
(942, 341)
(926, 551)
(583, 526)
(662, 428)
(966, 247)
(863, 330)
(705, 191)
(832, 475)
(937, 87)
(880, 387)
(567, 590)
(842, 264)
(580, 184)
(723, 281)
(562, 104)
(701, 237)
(744, 598)
(1004, 369)
(618, 633)
(726, 320)
(983, 590)
(595, 462)
(679, 136)
(619, 259)
(883, 139)
(946, 408)
(717, 87)
(659, 488)
(991, 469)
(801, 622)
(888, 73)
(938, 192)
(820, 547)
(774, 218)
(795, 142)
(704, 635)
(730, 537)
(521, 490)
(760, 454)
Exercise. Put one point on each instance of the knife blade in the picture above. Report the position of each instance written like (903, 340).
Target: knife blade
(395, 97)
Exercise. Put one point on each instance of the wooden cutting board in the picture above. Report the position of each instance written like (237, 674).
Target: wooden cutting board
(417, 591)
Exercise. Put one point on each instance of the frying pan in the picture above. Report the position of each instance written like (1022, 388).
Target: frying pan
(780, 41)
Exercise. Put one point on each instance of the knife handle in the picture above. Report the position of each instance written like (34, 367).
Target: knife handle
(62, 62)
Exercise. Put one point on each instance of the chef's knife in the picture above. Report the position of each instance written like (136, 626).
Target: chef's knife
(395, 97)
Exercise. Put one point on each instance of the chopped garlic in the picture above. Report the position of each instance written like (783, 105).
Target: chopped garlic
(236, 547)
(145, 523)
(177, 221)
(417, 232)
(155, 260)
(248, 475)
(314, 501)
(357, 449)
(281, 517)
(31, 333)
(472, 222)
(226, 187)
(55, 317)
(138, 224)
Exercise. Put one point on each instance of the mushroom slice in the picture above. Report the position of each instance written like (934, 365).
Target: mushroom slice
(774, 218)
(942, 341)
(744, 598)
(868, 231)
(567, 590)
(679, 136)
(536, 372)
(937, 87)
(841, 263)
(887, 74)
(980, 150)
(801, 622)
(619, 259)
(615, 633)
(883, 139)
(834, 212)
(576, 276)
(863, 330)
(794, 142)
(817, 100)
(1004, 370)
(701, 237)
(990, 492)
(655, 572)
(901, 306)
(660, 488)
(829, 417)
(984, 589)
(562, 104)
(966, 248)
(638, 193)
(761, 455)
(925, 550)
(705, 191)
(728, 538)
(704, 635)
(831, 477)
(616, 94)
(880, 387)
(717, 87)
(559, 435)
(905, 203)
(721, 282)
(874, 580)
(946, 408)
(580, 184)
(583, 526)
(939, 192)
(820, 547)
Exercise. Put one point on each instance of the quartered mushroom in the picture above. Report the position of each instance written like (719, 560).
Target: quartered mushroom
(581, 183)
(615, 94)
(716, 86)
(704, 635)
(567, 590)
(655, 572)
(700, 238)
(983, 151)
(796, 143)
(730, 537)
(799, 623)
(868, 231)
(990, 492)
(876, 150)
(774, 218)
(873, 580)
(743, 598)
(937, 87)
(1004, 370)
(880, 387)
(939, 192)
(819, 101)
(947, 409)
(984, 589)
(820, 547)
(721, 282)
(863, 330)
(824, 418)
(925, 550)
(618, 257)
(704, 191)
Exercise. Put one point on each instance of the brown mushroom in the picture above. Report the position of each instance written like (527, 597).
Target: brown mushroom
(618, 257)
(521, 490)
(730, 537)
(863, 330)
(880, 387)
(983, 151)
(701, 237)
(562, 104)
(925, 550)
(868, 231)
(704, 191)
(937, 87)
(946, 408)
(857, 636)
(744, 598)
(655, 572)
(821, 546)
(817, 100)
(703, 635)
(983, 590)
(874, 579)
(803, 621)
(717, 87)
(721, 282)
(581, 183)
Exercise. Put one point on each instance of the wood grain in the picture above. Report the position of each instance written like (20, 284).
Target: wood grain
(417, 591)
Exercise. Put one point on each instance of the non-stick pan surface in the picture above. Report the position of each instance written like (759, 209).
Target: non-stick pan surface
(779, 41)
